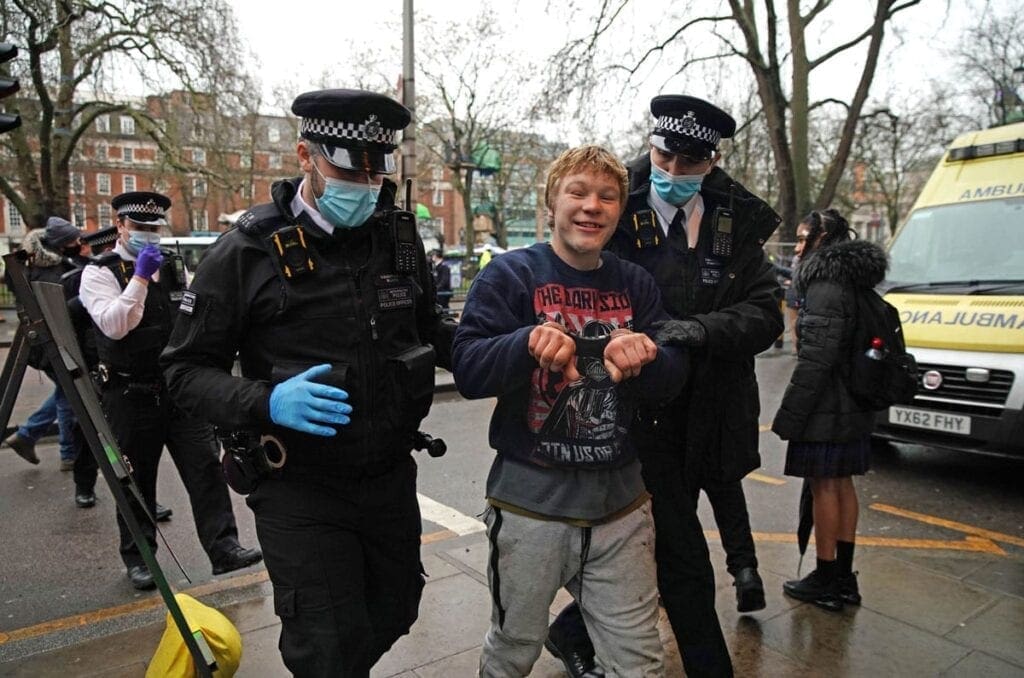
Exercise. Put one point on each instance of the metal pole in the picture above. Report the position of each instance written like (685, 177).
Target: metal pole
(409, 101)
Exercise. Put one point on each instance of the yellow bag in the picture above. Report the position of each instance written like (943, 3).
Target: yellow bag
(172, 658)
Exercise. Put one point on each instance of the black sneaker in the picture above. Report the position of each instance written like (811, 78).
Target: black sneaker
(848, 589)
(85, 498)
(569, 643)
(749, 591)
(163, 514)
(141, 578)
(811, 589)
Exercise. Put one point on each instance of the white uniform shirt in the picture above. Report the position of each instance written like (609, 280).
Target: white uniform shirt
(299, 205)
(666, 213)
(115, 311)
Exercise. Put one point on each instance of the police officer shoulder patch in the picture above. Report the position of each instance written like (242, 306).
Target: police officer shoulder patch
(188, 303)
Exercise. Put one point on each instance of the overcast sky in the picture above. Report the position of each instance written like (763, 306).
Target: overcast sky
(295, 45)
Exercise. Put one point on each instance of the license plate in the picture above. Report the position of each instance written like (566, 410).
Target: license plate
(933, 421)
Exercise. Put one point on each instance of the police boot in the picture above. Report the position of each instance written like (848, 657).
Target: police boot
(749, 590)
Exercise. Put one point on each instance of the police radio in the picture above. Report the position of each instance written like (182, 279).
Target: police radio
(721, 246)
(403, 226)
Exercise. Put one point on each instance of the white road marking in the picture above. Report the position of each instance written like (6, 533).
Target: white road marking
(447, 517)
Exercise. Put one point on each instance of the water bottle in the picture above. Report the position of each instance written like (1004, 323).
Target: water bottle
(876, 351)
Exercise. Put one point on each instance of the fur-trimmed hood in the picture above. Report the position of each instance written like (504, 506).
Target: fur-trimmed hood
(35, 244)
(856, 262)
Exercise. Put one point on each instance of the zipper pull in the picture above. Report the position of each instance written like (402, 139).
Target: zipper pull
(373, 327)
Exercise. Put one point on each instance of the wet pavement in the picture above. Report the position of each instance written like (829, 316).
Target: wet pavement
(956, 609)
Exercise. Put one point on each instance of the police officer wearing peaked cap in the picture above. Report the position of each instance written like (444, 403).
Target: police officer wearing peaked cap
(128, 293)
(701, 235)
(325, 294)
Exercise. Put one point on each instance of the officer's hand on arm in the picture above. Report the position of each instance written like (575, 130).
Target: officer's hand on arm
(148, 262)
(680, 333)
(553, 349)
(302, 404)
(627, 352)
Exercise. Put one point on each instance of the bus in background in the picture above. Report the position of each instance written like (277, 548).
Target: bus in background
(957, 277)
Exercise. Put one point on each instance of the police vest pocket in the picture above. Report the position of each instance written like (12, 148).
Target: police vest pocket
(412, 373)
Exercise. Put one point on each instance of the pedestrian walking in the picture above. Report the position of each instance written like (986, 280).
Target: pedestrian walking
(701, 235)
(129, 294)
(556, 332)
(442, 278)
(325, 295)
(829, 432)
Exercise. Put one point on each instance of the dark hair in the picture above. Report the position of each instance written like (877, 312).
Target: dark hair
(830, 224)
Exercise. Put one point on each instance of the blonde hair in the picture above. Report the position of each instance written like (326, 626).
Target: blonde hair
(594, 158)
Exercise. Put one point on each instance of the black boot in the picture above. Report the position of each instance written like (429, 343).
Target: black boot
(749, 590)
(820, 587)
(568, 642)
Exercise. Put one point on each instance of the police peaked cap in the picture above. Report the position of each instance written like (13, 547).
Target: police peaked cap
(357, 130)
(142, 207)
(685, 124)
(104, 236)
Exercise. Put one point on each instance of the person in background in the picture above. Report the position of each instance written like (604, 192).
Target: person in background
(829, 433)
(442, 279)
(129, 293)
(52, 252)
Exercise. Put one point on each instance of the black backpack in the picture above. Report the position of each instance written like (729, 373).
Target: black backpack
(888, 379)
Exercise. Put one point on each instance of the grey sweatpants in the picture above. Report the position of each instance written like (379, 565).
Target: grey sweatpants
(608, 569)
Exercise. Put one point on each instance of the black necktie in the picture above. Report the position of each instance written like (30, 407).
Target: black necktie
(676, 227)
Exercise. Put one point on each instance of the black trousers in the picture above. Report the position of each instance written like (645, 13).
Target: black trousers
(730, 508)
(86, 470)
(343, 552)
(143, 423)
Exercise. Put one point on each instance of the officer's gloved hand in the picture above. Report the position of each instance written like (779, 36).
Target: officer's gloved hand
(680, 333)
(302, 404)
(148, 261)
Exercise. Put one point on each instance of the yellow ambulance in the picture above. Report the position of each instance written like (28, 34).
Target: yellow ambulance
(957, 277)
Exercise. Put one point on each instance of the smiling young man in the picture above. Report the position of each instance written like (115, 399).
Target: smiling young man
(557, 332)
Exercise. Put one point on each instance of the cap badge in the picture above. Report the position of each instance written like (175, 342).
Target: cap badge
(688, 120)
(151, 206)
(372, 126)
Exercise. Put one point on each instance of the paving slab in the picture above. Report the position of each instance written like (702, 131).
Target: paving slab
(981, 665)
(998, 631)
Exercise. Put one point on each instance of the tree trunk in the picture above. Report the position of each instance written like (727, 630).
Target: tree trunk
(467, 199)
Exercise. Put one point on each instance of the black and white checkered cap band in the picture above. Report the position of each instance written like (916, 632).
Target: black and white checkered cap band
(688, 126)
(138, 208)
(327, 130)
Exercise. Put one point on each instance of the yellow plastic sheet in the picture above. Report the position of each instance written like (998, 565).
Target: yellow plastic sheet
(172, 658)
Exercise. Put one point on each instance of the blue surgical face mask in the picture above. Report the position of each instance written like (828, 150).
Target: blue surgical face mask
(139, 239)
(346, 204)
(675, 190)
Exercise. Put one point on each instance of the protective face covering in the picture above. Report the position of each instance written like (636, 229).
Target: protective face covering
(139, 239)
(346, 204)
(675, 190)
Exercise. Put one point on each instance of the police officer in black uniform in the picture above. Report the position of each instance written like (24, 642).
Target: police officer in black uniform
(326, 296)
(701, 235)
(129, 294)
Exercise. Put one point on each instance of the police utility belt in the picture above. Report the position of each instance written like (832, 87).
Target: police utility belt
(107, 377)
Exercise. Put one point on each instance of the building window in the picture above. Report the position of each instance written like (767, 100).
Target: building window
(198, 132)
(102, 152)
(103, 124)
(199, 188)
(199, 156)
(274, 160)
(246, 191)
(78, 215)
(244, 161)
(103, 184)
(438, 198)
(128, 183)
(199, 221)
(15, 226)
(128, 154)
(103, 212)
(127, 124)
(273, 135)
(77, 183)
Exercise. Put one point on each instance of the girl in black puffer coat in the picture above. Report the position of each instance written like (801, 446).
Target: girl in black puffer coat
(829, 434)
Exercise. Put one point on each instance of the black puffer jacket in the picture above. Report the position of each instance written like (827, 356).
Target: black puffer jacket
(817, 406)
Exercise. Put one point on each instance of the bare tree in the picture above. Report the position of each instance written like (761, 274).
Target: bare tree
(472, 98)
(77, 52)
(772, 45)
(990, 56)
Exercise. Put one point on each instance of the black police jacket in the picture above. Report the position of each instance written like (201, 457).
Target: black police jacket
(736, 299)
(339, 299)
(137, 354)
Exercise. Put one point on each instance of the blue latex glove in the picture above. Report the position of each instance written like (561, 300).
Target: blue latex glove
(302, 404)
(148, 261)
